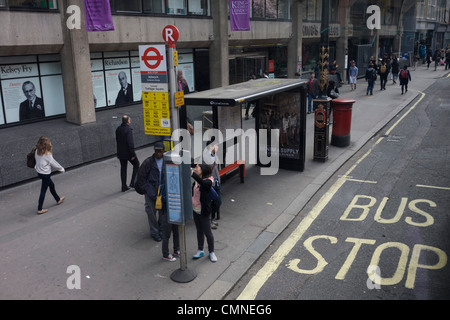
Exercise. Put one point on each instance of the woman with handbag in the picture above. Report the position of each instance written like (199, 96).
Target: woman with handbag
(44, 164)
(201, 203)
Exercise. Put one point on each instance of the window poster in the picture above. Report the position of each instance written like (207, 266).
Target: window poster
(23, 99)
(31, 91)
(53, 94)
(98, 85)
(2, 120)
(118, 87)
(137, 87)
(52, 88)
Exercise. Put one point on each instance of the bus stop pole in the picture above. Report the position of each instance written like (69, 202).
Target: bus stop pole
(183, 274)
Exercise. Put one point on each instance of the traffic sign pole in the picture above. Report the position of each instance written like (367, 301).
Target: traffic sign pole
(170, 36)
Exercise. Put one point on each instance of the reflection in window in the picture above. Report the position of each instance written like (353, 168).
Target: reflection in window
(176, 7)
(129, 5)
(154, 6)
(271, 9)
(198, 7)
(39, 4)
(283, 9)
(2, 3)
(259, 9)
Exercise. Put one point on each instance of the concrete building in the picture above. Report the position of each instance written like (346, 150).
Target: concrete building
(76, 73)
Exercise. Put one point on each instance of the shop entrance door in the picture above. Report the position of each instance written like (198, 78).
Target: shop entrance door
(242, 68)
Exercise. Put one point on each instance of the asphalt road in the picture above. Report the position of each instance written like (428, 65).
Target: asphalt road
(378, 229)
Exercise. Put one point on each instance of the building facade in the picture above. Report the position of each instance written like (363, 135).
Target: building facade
(75, 76)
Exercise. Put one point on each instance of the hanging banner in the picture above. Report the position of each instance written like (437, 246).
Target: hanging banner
(240, 15)
(98, 15)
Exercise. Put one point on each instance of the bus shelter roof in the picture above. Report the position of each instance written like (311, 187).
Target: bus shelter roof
(235, 94)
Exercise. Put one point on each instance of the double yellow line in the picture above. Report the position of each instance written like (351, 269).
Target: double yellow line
(259, 279)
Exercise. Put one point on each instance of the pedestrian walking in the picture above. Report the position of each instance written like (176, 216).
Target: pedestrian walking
(125, 152)
(353, 75)
(437, 58)
(313, 91)
(371, 77)
(150, 179)
(395, 69)
(201, 204)
(447, 59)
(405, 77)
(383, 71)
(428, 59)
(44, 164)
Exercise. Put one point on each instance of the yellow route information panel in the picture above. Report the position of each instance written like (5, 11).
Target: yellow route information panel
(156, 113)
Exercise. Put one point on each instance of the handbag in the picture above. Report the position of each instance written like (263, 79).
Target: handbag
(158, 204)
(31, 160)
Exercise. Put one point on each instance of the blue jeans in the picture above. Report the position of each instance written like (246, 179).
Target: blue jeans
(46, 183)
(167, 229)
(215, 204)
(370, 87)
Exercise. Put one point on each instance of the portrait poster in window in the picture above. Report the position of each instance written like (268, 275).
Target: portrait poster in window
(22, 99)
(118, 87)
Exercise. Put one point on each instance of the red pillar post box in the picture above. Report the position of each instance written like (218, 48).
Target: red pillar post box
(342, 120)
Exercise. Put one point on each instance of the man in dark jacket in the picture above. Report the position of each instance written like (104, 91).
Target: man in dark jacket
(152, 175)
(125, 152)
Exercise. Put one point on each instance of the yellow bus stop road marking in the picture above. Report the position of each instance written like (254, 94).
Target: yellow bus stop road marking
(259, 279)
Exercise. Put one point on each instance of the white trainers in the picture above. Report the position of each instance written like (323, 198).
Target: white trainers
(198, 254)
(212, 257)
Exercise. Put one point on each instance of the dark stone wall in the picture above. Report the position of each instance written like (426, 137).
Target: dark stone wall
(73, 145)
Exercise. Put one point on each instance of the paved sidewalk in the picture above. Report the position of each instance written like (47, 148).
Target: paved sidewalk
(105, 232)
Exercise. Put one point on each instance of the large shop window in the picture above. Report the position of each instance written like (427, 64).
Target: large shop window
(32, 4)
(116, 77)
(170, 7)
(31, 88)
(271, 9)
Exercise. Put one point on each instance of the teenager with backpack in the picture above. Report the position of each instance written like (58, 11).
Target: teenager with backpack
(383, 71)
(371, 77)
(405, 77)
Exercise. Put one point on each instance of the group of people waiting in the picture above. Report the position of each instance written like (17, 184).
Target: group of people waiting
(150, 178)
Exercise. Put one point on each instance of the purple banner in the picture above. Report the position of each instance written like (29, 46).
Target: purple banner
(240, 15)
(98, 15)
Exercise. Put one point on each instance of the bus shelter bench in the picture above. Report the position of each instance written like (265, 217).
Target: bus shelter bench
(240, 164)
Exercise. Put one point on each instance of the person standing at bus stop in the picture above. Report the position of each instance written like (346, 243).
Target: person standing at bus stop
(313, 91)
(125, 152)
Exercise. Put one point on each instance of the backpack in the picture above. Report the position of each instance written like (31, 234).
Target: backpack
(141, 178)
(404, 74)
(383, 68)
(374, 75)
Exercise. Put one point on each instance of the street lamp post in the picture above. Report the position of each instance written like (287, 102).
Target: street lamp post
(322, 105)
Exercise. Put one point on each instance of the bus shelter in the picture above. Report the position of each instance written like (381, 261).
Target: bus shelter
(280, 104)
